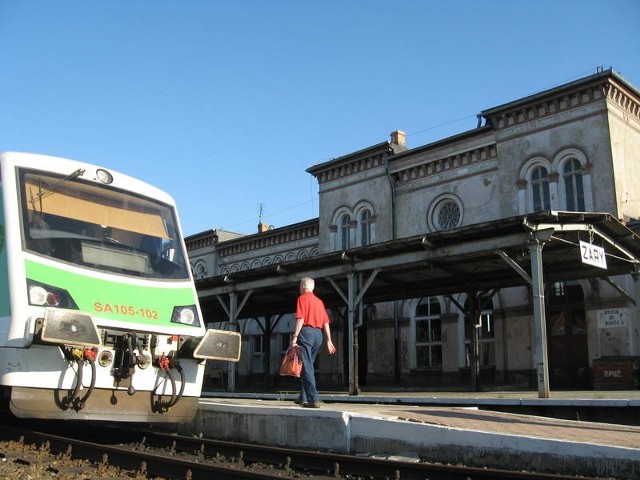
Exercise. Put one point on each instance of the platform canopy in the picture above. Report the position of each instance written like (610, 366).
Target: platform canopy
(478, 257)
(526, 250)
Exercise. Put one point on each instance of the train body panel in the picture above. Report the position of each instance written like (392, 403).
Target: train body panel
(97, 301)
(5, 305)
(104, 405)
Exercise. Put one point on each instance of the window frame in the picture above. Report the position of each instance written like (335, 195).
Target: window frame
(431, 344)
(540, 191)
(437, 207)
(257, 355)
(579, 178)
(487, 338)
(573, 180)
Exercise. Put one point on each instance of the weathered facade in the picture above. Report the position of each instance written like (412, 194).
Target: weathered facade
(572, 148)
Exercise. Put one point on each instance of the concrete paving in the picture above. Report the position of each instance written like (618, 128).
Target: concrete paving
(440, 427)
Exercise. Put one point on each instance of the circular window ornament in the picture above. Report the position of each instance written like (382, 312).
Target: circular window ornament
(445, 213)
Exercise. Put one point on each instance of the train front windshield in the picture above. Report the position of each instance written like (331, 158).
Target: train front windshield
(100, 227)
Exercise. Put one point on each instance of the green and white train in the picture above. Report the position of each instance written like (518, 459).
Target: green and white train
(99, 316)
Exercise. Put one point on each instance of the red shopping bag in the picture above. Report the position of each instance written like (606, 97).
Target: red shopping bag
(291, 363)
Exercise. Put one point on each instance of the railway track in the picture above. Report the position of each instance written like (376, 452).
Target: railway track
(156, 454)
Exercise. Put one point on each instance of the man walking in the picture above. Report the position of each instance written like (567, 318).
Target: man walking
(311, 322)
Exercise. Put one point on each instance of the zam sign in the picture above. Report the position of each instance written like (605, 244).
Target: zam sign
(593, 255)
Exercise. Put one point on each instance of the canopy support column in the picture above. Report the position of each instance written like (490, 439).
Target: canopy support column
(539, 320)
(351, 308)
(353, 299)
(233, 310)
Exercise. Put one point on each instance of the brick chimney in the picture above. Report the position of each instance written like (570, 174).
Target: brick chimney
(398, 137)
(263, 227)
(398, 141)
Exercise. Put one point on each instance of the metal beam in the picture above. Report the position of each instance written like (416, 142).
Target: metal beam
(367, 284)
(584, 227)
(224, 306)
(615, 244)
(620, 290)
(338, 290)
(513, 264)
(243, 302)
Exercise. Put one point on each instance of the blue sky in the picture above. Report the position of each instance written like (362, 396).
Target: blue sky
(225, 103)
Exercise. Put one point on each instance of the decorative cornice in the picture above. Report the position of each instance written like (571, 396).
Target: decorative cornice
(353, 167)
(623, 98)
(265, 261)
(269, 239)
(201, 242)
(544, 107)
(605, 85)
(356, 162)
(448, 163)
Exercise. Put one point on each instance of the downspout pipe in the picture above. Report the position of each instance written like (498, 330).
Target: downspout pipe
(396, 326)
(392, 188)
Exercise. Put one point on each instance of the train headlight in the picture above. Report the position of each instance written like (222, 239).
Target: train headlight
(37, 295)
(186, 315)
(48, 296)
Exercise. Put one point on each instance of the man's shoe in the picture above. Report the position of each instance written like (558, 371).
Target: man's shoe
(298, 401)
(312, 405)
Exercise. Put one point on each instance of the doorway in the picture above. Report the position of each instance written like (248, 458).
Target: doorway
(567, 337)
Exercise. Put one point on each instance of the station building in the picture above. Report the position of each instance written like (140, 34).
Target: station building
(568, 156)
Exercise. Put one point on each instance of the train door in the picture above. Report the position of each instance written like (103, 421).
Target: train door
(567, 337)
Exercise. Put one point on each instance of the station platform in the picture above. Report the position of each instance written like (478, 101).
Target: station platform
(470, 428)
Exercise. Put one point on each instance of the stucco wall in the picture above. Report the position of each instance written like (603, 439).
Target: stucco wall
(625, 151)
(348, 193)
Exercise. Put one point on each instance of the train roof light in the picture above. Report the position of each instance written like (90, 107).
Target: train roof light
(104, 176)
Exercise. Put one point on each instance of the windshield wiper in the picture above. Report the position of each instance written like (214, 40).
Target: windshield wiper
(46, 190)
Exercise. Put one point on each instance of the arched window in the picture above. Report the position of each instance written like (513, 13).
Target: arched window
(365, 227)
(200, 270)
(342, 229)
(537, 186)
(540, 189)
(345, 225)
(573, 187)
(428, 333)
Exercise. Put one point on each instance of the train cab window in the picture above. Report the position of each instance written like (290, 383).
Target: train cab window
(100, 227)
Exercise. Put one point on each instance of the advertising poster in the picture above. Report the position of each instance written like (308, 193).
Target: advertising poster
(613, 336)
